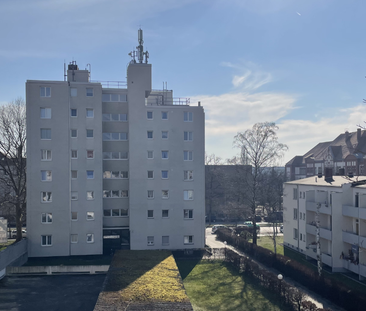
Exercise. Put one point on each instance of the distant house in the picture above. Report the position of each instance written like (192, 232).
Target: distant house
(345, 155)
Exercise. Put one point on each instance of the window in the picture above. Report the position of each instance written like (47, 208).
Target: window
(188, 116)
(164, 115)
(164, 194)
(124, 193)
(74, 238)
(123, 155)
(188, 214)
(45, 133)
(150, 134)
(150, 154)
(89, 215)
(107, 193)
(150, 174)
(89, 133)
(115, 212)
(74, 174)
(295, 194)
(164, 154)
(115, 155)
(296, 234)
(114, 97)
(164, 134)
(89, 238)
(188, 175)
(149, 115)
(46, 197)
(45, 113)
(74, 216)
(150, 240)
(115, 136)
(89, 113)
(74, 154)
(74, 195)
(124, 212)
(165, 213)
(164, 174)
(90, 154)
(73, 112)
(45, 91)
(46, 175)
(300, 215)
(165, 240)
(124, 174)
(46, 240)
(115, 117)
(150, 213)
(300, 236)
(123, 136)
(46, 155)
(303, 216)
(356, 199)
(90, 195)
(188, 194)
(188, 155)
(188, 136)
(74, 92)
(89, 91)
(295, 213)
(188, 239)
(150, 194)
(74, 133)
(123, 117)
(107, 213)
(46, 218)
(89, 174)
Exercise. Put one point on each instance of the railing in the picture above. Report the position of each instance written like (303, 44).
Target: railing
(111, 84)
(49, 270)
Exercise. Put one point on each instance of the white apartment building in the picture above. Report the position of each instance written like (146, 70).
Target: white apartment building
(113, 168)
(332, 211)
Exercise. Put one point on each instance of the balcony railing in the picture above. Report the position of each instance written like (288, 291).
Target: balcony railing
(324, 208)
(112, 84)
(349, 237)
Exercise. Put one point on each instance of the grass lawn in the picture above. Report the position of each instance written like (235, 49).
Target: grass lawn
(5, 245)
(267, 242)
(216, 286)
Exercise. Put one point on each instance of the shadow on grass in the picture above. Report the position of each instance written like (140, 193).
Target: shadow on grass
(185, 266)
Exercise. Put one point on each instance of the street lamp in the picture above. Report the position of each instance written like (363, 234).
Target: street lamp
(225, 248)
(280, 277)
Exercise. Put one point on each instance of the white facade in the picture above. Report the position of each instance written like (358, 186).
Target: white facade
(341, 209)
(112, 167)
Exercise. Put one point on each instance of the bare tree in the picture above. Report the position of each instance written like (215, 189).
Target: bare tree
(259, 147)
(13, 162)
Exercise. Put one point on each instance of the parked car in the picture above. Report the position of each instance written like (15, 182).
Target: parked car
(216, 227)
(249, 224)
(14, 233)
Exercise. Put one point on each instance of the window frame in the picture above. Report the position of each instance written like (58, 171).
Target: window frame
(186, 196)
(46, 218)
(48, 195)
(188, 136)
(90, 216)
(188, 116)
(87, 113)
(188, 213)
(88, 132)
(152, 115)
(163, 152)
(164, 115)
(74, 241)
(89, 92)
(90, 195)
(47, 240)
(187, 173)
(46, 152)
(188, 240)
(46, 91)
(165, 194)
(47, 178)
(47, 113)
(91, 235)
(150, 211)
(188, 155)
(44, 134)
(73, 112)
(150, 240)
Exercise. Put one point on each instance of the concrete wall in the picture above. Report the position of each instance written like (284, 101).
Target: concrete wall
(14, 255)
(49, 270)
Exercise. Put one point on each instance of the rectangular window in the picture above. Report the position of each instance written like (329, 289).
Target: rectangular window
(164, 154)
(89, 133)
(115, 212)
(46, 240)
(300, 236)
(124, 212)
(188, 175)
(188, 136)
(45, 91)
(46, 196)
(150, 213)
(150, 240)
(107, 193)
(107, 213)
(188, 239)
(89, 174)
(188, 214)
(188, 195)
(90, 195)
(74, 195)
(45, 133)
(295, 193)
(150, 194)
(90, 154)
(149, 115)
(74, 154)
(296, 234)
(165, 194)
(164, 134)
(73, 112)
(295, 213)
(124, 174)
(73, 92)
(124, 193)
(46, 155)
(165, 213)
(124, 155)
(45, 113)
(46, 175)
(123, 136)
(89, 215)
(46, 218)
(150, 174)
(115, 174)
(89, 113)
(164, 115)
(89, 91)
(123, 117)
(74, 216)
(188, 155)
(74, 238)
(150, 154)
(74, 174)
(115, 193)
(165, 240)
(188, 116)
(164, 174)
(149, 134)
(89, 238)
(74, 133)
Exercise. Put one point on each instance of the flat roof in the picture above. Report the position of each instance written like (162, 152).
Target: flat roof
(338, 181)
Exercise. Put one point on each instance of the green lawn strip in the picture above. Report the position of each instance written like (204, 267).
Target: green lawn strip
(267, 242)
(216, 286)
(5, 245)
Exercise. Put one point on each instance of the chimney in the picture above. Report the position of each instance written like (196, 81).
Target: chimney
(358, 134)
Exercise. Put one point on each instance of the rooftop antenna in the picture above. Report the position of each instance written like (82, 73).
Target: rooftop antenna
(140, 48)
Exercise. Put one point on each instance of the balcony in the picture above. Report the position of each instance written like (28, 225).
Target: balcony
(363, 270)
(362, 213)
(323, 232)
(350, 237)
(311, 252)
(327, 259)
(350, 211)
(324, 208)
(350, 266)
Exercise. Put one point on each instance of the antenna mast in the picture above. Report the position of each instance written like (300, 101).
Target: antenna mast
(140, 50)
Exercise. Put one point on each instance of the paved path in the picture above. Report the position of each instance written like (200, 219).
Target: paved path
(311, 296)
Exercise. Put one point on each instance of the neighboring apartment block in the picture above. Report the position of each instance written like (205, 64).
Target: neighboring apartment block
(111, 168)
(326, 217)
(346, 153)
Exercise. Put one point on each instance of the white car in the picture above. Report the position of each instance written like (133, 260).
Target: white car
(14, 233)
(215, 227)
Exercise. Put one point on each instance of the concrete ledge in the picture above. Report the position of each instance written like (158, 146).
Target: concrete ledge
(56, 270)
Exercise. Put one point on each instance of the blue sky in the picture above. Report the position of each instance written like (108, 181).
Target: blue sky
(300, 64)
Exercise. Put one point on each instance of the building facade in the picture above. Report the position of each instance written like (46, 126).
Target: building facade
(112, 168)
(327, 219)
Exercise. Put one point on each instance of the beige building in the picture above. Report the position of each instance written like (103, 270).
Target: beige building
(112, 168)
